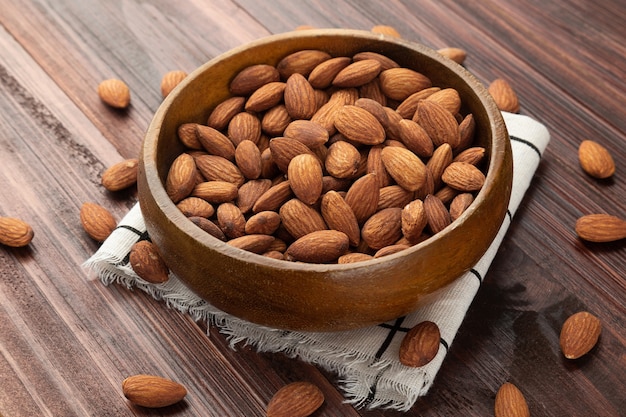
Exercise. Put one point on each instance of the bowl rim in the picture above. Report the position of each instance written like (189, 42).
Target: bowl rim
(149, 154)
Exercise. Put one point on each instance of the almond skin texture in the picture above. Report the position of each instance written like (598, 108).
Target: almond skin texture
(120, 175)
(301, 62)
(579, 334)
(359, 125)
(321, 246)
(97, 221)
(357, 74)
(405, 167)
(299, 97)
(384, 228)
(510, 402)
(463, 176)
(225, 111)
(15, 232)
(438, 122)
(251, 78)
(152, 391)
(170, 80)
(298, 399)
(147, 262)
(504, 95)
(114, 93)
(600, 228)
(300, 219)
(595, 159)
(400, 83)
(339, 216)
(363, 197)
(437, 214)
(420, 345)
(215, 142)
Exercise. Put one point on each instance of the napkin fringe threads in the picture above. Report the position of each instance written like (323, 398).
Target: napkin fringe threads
(365, 360)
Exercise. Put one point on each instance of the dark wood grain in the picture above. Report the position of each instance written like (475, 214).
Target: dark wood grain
(67, 342)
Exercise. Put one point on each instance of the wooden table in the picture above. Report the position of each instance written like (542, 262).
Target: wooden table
(67, 341)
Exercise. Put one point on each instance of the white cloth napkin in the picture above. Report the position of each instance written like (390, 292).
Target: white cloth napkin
(366, 360)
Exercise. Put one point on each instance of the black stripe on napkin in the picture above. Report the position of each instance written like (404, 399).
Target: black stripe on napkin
(527, 143)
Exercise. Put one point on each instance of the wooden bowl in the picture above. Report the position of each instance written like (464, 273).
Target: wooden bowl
(318, 297)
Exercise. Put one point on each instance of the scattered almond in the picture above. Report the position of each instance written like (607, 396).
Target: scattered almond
(579, 334)
(120, 175)
(15, 232)
(152, 391)
(504, 95)
(595, 159)
(510, 402)
(458, 55)
(386, 30)
(297, 399)
(170, 80)
(97, 221)
(600, 228)
(420, 345)
(147, 262)
(114, 93)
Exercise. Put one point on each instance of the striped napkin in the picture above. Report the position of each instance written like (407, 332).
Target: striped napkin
(365, 360)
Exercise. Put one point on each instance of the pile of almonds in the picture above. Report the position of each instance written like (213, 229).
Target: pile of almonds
(579, 333)
(328, 159)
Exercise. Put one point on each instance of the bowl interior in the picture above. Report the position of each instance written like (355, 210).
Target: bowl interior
(311, 296)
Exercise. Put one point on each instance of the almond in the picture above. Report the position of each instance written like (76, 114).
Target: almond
(97, 221)
(357, 74)
(323, 74)
(194, 206)
(217, 168)
(262, 223)
(252, 243)
(383, 228)
(299, 97)
(405, 167)
(301, 62)
(420, 345)
(252, 78)
(147, 262)
(170, 80)
(459, 204)
(473, 155)
(339, 216)
(375, 166)
(209, 227)
(386, 30)
(120, 175)
(300, 219)
(601, 228)
(215, 191)
(297, 399)
(385, 62)
(266, 97)
(375, 108)
(390, 250)
(400, 83)
(439, 123)
(181, 177)
(188, 136)
(359, 125)
(305, 177)
(321, 246)
(408, 106)
(215, 142)
(283, 149)
(244, 126)
(15, 232)
(275, 120)
(579, 334)
(273, 198)
(248, 159)
(250, 192)
(373, 91)
(463, 176)
(231, 220)
(152, 391)
(414, 220)
(415, 138)
(437, 214)
(467, 128)
(510, 402)
(309, 133)
(343, 160)
(595, 159)
(362, 197)
(393, 196)
(114, 93)
(225, 111)
(439, 161)
(349, 258)
(504, 95)
(448, 98)
(458, 55)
